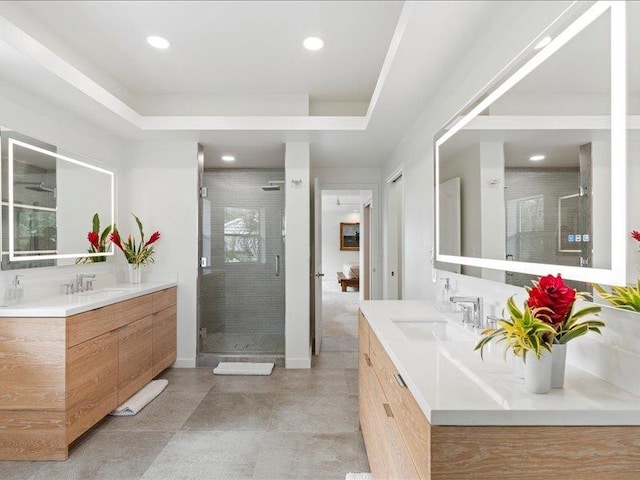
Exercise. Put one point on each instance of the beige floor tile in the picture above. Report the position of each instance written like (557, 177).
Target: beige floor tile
(108, 455)
(350, 359)
(314, 381)
(249, 383)
(351, 376)
(232, 411)
(207, 455)
(19, 470)
(188, 379)
(315, 413)
(167, 413)
(327, 360)
(302, 456)
(330, 344)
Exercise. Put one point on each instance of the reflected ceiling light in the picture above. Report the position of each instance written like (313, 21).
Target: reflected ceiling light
(537, 158)
(228, 158)
(158, 42)
(313, 43)
(543, 43)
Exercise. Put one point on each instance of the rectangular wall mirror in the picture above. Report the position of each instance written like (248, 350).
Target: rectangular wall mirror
(529, 178)
(48, 202)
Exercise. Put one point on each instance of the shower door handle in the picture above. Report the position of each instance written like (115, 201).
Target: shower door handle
(277, 265)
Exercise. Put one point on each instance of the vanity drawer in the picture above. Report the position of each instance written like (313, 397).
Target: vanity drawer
(133, 310)
(413, 424)
(164, 339)
(91, 324)
(164, 299)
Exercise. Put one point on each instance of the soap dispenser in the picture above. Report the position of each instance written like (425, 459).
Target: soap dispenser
(15, 293)
(447, 293)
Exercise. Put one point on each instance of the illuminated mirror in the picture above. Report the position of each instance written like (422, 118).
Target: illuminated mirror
(48, 202)
(528, 180)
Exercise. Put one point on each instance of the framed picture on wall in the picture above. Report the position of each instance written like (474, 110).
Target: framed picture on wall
(349, 236)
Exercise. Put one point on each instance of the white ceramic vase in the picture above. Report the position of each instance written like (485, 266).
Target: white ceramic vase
(537, 372)
(518, 367)
(135, 273)
(559, 355)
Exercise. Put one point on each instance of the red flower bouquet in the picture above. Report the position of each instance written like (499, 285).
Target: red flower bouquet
(97, 242)
(136, 252)
(553, 302)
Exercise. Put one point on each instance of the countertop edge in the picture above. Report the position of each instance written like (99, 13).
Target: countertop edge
(39, 308)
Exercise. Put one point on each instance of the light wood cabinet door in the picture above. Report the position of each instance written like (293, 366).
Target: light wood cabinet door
(135, 357)
(164, 299)
(164, 339)
(92, 382)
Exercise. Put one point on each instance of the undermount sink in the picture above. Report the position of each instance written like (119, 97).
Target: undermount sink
(431, 330)
(103, 291)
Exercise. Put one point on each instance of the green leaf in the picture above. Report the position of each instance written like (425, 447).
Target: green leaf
(96, 223)
(139, 228)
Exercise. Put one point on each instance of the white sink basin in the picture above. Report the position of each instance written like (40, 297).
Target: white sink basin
(432, 330)
(103, 292)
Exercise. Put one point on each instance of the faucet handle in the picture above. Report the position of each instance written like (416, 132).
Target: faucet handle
(491, 321)
(88, 285)
(67, 288)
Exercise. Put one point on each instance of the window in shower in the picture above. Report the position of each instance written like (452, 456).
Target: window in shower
(243, 235)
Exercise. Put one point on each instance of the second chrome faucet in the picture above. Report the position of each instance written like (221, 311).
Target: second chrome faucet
(475, 314)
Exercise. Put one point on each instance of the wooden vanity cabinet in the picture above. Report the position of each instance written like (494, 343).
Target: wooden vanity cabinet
(402, 444)
(60, 376)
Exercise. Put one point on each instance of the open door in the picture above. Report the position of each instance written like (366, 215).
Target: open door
(317, 264)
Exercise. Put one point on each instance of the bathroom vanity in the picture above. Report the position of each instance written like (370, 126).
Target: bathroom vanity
(430, 408)
(68, 361)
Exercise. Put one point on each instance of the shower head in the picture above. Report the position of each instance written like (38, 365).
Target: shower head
(274, 185)
(40, 188)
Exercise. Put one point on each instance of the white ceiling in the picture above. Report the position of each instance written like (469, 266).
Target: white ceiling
(90, 58)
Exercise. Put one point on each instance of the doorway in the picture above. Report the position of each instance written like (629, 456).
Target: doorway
(395, 237)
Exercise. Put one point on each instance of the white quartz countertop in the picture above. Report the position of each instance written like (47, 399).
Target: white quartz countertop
(66, 305)
(454, 386)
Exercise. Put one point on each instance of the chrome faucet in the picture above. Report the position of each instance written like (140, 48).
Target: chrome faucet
(80, 285)
(477, 318)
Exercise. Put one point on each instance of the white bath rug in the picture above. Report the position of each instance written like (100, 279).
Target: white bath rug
(358, 476)
(138, 401)
(243, 368)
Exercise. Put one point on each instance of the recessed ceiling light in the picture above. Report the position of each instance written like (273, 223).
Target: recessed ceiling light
(313, 43)
(537, 158)
(158, 42)
(543, 43)
(228, 158)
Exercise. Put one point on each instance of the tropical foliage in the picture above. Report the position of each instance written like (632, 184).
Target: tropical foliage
(97, 241)
(137, 252)
(626, 298)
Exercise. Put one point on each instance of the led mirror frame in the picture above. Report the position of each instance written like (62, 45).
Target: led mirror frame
(21, 258)
(616, 275)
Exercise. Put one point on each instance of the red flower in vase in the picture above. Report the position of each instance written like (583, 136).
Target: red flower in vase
(553, 294)
(94, 240)
(155, 236)
(636, 235)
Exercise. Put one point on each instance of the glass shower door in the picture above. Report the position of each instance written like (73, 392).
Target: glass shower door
(242, 298)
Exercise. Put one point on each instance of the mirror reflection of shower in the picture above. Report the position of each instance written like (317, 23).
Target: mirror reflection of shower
(274, 186)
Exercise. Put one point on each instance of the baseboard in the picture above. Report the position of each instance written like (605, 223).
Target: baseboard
(297, 362)
(184, 363)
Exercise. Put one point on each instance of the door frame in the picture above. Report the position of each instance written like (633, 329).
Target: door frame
(389, 181)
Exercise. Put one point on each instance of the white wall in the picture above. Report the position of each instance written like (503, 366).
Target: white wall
(160, 185)
(298, 255)
(332, 257)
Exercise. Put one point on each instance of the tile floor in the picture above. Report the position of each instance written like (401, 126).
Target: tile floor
(294, 424)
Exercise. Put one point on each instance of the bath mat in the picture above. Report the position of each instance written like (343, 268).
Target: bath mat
(242, 368)
(358, 476)
(138, 401)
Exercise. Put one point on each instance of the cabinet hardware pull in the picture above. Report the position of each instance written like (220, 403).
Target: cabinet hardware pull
(367, 359)
(387, 410)
(400, 380)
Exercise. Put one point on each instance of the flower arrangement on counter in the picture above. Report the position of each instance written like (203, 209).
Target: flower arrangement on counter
(550, 316)
(137, 253)
(625, 298)
(97, 241)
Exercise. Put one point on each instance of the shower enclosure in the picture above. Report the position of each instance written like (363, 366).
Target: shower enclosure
(242, 274)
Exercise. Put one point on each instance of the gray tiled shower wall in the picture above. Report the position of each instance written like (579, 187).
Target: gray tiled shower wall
(243, 298)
